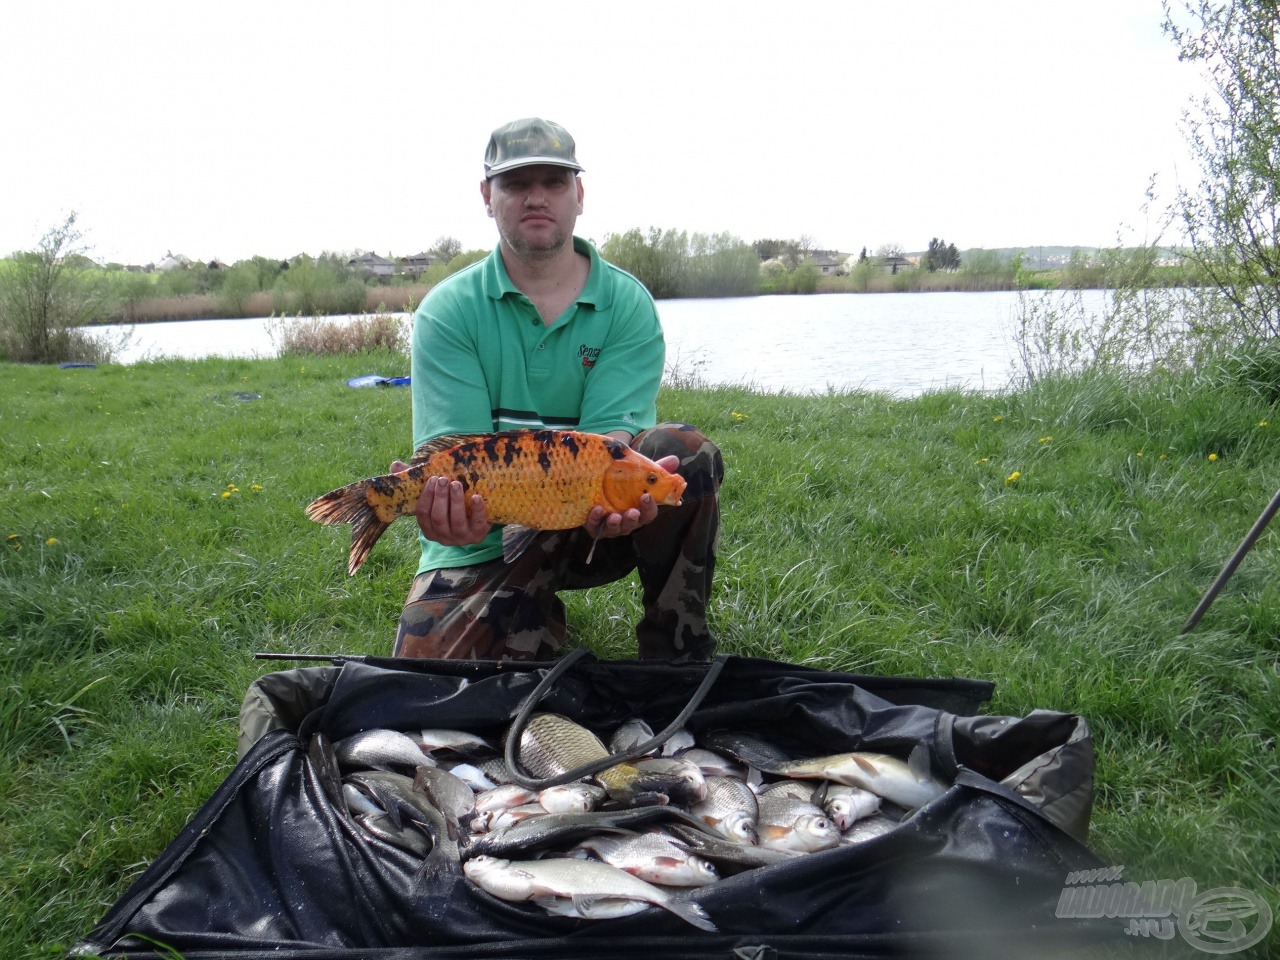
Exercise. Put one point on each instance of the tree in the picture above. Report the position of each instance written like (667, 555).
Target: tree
(446, 248)
(941, 256)
(1231, 216)
(45, 297)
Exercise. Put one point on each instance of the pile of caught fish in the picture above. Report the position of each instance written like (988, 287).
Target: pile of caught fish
(633, 835)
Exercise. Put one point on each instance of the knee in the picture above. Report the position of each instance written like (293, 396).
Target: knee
(701, 463)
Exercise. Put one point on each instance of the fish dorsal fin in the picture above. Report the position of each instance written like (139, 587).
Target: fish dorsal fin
(432, 447)
(918, 764)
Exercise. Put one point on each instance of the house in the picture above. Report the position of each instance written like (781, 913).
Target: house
(895, 263)
(828, 265)
(372, 264)
(416, 265)
(173, 261)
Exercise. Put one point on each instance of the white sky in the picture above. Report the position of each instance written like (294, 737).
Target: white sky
(226, 128)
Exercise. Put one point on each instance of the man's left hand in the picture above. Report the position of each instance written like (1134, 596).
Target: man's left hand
(603, 526)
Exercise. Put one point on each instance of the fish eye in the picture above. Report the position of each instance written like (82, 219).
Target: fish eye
(652, 478)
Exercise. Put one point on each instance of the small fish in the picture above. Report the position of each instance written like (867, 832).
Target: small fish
(655, 858)
(572, 798)
(503, 798)
(581, 881)
(695, 784)
(501, 819)
(867, 829)
(403, 837)
(529, 479)
(846, 805)
(730, 808)
(360, 803)
(584, 908)
(907, 784)
(551, 745)
(794, 825)
(678, 741)
(404, 803)
(730, 856)
(324, 763)
(380, 749)
(713, 764)
(800, 789)
(446, 792)
(473, 776)
(562, 829)
(630, 734)
(453, 741)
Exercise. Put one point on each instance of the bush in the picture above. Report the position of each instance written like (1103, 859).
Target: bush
(46, 295)
(315, 337)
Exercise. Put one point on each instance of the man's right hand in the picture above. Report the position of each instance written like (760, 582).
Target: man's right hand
(442, 512)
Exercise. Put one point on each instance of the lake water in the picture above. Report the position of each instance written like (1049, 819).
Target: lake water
(901, 343)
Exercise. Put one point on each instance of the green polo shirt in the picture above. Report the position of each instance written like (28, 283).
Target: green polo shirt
(483, 360)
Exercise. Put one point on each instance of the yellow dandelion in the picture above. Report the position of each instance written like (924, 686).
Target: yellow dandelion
(1262, 423)
(51, 541)
(1164, 456)
(1013, 477)
(997, 419)
(226, 494)
(1045, 439)
(983, 460)
(1139, 453)
(256, 486)
(1213, 457)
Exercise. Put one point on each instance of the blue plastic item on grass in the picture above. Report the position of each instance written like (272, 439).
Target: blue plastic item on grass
(375, 380)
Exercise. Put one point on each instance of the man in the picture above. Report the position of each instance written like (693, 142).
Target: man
(543, 333)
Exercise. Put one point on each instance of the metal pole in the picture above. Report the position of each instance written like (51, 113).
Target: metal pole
(1245, 546)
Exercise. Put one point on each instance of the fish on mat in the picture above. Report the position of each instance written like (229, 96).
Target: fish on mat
(530, 480)
(580, 881)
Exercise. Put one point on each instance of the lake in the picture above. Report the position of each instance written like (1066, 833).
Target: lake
(900, 343)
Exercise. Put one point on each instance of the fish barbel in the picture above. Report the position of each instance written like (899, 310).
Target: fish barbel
(528, 479)
(582, 881)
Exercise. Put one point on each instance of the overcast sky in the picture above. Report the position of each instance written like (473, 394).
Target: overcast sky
(223, 129)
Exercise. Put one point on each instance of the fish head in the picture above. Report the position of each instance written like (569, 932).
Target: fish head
(740, 827)
(633, 475)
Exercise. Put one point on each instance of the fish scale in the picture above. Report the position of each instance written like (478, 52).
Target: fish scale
(542, 479)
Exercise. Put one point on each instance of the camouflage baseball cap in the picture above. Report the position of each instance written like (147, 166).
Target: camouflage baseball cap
(523, 143)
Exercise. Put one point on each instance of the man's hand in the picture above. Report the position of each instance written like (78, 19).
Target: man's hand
(442, 512)
(603, 526)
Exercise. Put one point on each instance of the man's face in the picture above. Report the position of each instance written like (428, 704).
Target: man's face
(535, 208)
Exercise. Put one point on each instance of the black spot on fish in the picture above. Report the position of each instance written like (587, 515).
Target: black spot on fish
(616, 449)
(510, 450)
(544, 460)
(568, 441)
(473, 479)
(490, 446)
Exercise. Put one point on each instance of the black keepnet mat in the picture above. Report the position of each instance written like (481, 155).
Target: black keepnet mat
(269, 868)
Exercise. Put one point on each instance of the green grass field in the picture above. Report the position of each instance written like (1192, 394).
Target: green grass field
(1053, 540)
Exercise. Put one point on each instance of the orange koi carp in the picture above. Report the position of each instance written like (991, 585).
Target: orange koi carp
(529, 480)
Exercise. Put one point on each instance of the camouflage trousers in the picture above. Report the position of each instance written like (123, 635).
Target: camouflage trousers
(498, 610)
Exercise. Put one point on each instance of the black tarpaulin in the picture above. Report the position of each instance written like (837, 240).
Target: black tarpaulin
(270, 868)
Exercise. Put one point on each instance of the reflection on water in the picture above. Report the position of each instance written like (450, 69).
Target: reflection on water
(901, 343)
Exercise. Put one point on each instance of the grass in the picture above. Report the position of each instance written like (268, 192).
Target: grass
(152, 539)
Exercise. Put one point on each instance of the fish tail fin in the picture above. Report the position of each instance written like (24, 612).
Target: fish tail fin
(692, 913)
(350, 504)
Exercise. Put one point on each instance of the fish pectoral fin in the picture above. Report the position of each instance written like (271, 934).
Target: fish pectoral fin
(582, 902)
(516, 539)
(918, 764)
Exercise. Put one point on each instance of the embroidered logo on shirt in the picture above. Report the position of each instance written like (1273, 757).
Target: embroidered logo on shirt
(589, 355)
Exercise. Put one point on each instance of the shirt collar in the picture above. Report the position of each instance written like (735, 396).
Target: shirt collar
(497, 284)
